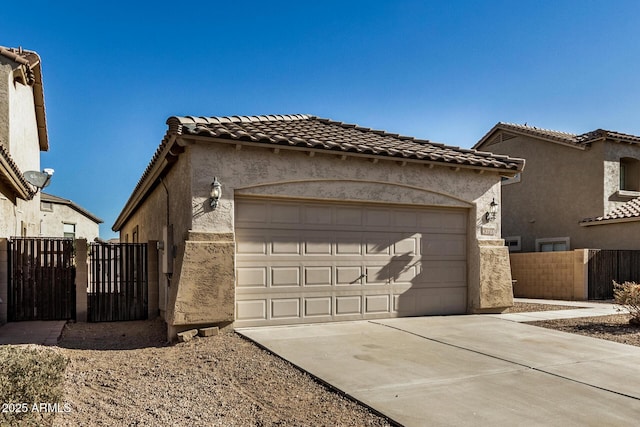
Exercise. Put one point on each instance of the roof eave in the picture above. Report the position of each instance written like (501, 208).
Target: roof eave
(609, 221)
(501, 127)
(151, 175)
(499, 170)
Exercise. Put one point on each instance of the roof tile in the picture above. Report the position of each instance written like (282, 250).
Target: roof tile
(631, 209)
(564, 137)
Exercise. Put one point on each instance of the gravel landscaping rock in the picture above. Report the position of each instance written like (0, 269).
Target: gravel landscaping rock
(123, 373)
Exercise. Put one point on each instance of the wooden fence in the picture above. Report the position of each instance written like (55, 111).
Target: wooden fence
(605, 266)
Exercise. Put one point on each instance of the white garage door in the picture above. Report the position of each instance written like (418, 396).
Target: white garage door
(304, 262)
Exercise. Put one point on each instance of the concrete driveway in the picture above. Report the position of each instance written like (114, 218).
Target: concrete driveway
(467, 370)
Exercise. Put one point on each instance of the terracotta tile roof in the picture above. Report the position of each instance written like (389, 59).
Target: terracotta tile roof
(629, 210)
(581, 140)
(23, 57)
(45, 197)
(313, 132)
(10, 173)
(31, 66)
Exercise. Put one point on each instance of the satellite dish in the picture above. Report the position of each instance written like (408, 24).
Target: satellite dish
(39, 179)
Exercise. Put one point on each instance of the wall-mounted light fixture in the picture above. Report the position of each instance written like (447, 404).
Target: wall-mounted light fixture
(216, 192)
(493, 211)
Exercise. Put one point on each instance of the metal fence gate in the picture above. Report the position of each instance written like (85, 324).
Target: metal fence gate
(41, 279)
(118, 282)
(605, 266)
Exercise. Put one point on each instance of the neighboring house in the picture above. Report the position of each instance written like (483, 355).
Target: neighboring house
(63, 218)
(579, 191)
(317, 221)
(23, 134)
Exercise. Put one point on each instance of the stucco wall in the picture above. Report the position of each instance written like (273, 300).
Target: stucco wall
(258, 171)
(559, 187)
(23, 128)
(202, 286)
(262, 172)
(18, 132)
(52, 223)
(24, 214)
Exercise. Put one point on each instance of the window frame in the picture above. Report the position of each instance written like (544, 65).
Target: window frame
(553, 240)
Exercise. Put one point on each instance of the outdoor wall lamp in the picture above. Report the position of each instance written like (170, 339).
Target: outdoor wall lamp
(216, 192)
(493, 211)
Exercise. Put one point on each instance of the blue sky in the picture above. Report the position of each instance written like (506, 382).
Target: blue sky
(441, 70)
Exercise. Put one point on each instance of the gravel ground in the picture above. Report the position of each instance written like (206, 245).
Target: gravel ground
(124, 373)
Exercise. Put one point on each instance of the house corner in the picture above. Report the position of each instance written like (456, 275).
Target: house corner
(204, 293)
(494, 291)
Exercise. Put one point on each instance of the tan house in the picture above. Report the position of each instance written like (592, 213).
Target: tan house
(62, 218)
(23, 134)
(579, 191)
(284, 219)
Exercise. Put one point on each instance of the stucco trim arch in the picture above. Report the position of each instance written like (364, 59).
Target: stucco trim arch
(353, 190)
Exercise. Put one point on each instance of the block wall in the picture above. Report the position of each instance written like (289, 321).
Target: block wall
(550, 275)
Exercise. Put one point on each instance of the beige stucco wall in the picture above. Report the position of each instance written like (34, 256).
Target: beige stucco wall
(18, 132)
(52, 223)
(561, 186)
(551, 275)
(202, 286)
(152, 217)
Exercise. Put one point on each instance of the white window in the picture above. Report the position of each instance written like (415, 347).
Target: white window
(552, 244)
(513, 243)
(46, 206)
(69, 230)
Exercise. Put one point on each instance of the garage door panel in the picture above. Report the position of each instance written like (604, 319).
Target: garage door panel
(348, 305)
(444, 245)
(442, 272)
(285, 276)
(348, 275)
(285, 214)
(254, 309)
(378, 246)
(377, 304)
(319, 306)
(317, 246)
(376, 275)
(252, 277)
(285, 245)
(407, 245)
(348, 216)
(318, 276)
(318, 215)
(346, 246)
(285, 308)
(377, 218)
(324, 262)
(251, 245)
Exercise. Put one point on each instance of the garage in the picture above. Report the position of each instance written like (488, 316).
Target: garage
(290, 219)
(303, 261)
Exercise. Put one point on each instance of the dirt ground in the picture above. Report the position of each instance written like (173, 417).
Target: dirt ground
(125, 373)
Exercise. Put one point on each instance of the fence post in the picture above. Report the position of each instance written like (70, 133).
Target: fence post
(82, 279)
(153, 289)
(581, 275)
(4, 280)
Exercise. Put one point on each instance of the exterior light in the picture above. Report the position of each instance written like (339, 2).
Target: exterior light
(216, 192)
(493, 211)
